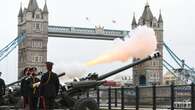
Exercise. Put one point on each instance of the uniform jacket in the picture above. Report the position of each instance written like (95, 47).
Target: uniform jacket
(49, 86)
(26, 87)
(2, 87)
(35, 90)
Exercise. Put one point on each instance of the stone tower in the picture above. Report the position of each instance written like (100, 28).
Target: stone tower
(32, 52)
(150, 72)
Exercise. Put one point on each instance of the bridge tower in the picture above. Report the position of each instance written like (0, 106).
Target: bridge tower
(32, 52)
(150, 72)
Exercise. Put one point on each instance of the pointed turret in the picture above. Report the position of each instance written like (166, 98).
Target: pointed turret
(134, 23)
(134, 20)
(160, 20)
(45, 10)
(147, 14)
(20, 14)
(32, 6)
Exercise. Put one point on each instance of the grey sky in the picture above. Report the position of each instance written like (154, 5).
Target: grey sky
(178, 16)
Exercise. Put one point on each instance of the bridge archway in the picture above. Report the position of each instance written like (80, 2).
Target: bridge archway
(142, 80)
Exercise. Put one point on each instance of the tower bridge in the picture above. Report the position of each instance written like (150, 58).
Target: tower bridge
(32, 51)
(34, 30)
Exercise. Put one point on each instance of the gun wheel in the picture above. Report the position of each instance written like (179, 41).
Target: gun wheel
(86, 104)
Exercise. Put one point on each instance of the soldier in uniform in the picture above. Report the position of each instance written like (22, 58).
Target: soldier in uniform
(25, 88)
(35, 88)
(49, 87)
(2, 89)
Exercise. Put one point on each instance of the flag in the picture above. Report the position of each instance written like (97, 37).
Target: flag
(113, 21)
(87, 18)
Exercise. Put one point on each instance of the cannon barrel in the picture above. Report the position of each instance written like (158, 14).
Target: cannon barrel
(104, 76)
(86, 84)
(18, 81)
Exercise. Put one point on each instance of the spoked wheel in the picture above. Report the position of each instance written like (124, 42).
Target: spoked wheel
(86, 104)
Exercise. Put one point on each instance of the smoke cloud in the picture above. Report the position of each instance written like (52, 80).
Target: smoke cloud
(138, 44)
(72, 70)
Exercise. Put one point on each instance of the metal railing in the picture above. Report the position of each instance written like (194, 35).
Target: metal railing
(171, 97)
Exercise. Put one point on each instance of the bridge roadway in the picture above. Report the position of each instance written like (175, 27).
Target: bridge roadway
(85, 33)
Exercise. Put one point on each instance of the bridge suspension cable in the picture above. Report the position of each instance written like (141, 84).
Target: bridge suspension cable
(187, 75)
(176, 58)
(169, 69)
(4, 52)
(166, 64)
(164, 61)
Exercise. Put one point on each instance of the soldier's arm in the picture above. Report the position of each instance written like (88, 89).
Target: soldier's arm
(30, 83)
(3, 87)
(37, 79)
(41, 85)
(22, 88)
(36, 83)
(57, 84)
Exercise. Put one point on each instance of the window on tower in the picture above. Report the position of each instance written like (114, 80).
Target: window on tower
(37, 16)
(37, 59)
(37, 26)
(154, 64)
(37, 44)
(154, 25)
(151, 24)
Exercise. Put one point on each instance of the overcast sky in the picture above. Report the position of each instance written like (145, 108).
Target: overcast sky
(178, 17)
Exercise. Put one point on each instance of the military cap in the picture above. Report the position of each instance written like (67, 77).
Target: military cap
(49, 63)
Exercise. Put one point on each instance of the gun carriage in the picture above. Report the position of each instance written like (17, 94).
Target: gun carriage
(66, 98)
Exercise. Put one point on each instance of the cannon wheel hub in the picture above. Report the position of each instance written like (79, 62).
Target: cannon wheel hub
(86, 104)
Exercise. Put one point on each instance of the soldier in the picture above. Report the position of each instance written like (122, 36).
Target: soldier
(25, 88)
(2, 89)
(49, 87)
(34, 89)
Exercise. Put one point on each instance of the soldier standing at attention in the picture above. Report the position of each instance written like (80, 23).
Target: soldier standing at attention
(2, 89)
(49, 87)
(34, 89)
(25, 88)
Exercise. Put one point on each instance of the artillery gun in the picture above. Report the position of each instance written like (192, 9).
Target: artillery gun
(70, 90)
